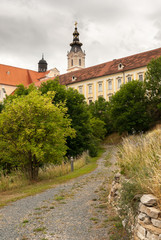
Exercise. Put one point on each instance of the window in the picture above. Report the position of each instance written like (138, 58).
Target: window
(119, 83)
(100, 87)
(120, 66)
(129, 79)
(79, 62)
(80, 89)
(72, 62)
(141, 77)
(110, 85)
(3, 90)
(90, 101)
(90, 89)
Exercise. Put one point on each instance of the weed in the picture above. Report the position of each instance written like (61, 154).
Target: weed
(25, 221)
(59, 198)
(40, 229)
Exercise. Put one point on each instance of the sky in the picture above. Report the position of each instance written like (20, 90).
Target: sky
(109, 29)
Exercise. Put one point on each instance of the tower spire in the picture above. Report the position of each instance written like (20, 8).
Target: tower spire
(76, 57)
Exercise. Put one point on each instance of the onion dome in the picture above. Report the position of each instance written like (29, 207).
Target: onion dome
(42, 65)
(76, 44)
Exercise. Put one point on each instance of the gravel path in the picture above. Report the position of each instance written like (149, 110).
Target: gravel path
(70, 211)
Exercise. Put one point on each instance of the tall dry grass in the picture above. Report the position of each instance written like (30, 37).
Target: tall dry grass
(17, 179)
(51, 171)
(140, 160)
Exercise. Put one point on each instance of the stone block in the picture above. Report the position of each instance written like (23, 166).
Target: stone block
(142, 216)
(149, 200)
(156, 222)
(141, 232)
(152, 236)
(150, 211)
(147, 220)
(150, 228)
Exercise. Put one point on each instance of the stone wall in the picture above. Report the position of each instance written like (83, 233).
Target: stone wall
(147, 224)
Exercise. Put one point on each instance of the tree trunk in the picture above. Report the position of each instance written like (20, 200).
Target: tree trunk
(32, 168)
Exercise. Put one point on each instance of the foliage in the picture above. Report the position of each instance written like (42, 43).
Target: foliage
(98, 128)
(53, 85)
(100, 109)
(127, 108)
(78, 113)
(153, 86)
(33, 131)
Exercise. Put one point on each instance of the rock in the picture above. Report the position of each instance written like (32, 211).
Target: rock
(150, 211)
(156, 222)
(147, 220)
(142, 216)
(149, 200)
(150, 228)
(152, 236)
(141, 232)
(117, 177)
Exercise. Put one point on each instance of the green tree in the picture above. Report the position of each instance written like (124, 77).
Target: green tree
(128, 109)
(153, 86)
(54, 85)
(100, 109)
(98, 128)
(78, 113)
(33, 131)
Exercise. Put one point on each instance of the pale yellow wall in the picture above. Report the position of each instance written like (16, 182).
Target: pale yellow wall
(8, 89)
(106, 93)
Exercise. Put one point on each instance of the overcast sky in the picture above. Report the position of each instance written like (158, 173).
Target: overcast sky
(108, 29)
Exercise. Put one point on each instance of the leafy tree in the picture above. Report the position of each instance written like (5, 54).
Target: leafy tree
(78, 113)
(100, 109)
(153, 86)
(33, 131)
(54, 85)
(98, 128)
(128, 108)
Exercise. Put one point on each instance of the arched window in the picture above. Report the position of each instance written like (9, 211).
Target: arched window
(72, 62)
(79, 62)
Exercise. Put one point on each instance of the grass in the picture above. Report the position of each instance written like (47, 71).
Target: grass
(44, 183)
(140, 161)
(114, 139)
(40, 229)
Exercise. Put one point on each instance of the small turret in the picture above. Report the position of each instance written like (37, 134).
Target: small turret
(42, 65)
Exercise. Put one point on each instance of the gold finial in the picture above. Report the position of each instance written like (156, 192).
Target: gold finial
(75, 24)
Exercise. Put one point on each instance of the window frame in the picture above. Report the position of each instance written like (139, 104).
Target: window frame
(100, 87)
(90, 89)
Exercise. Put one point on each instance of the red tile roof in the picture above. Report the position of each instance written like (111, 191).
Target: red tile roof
(108, 68)
(14, 76)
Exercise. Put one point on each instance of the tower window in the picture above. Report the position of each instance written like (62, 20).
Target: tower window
(72, 62)
(79, 62)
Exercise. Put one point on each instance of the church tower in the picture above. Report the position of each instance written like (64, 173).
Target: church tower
(76, 57)
(42, 65)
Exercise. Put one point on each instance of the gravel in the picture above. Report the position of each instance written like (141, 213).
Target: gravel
(65, 212)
